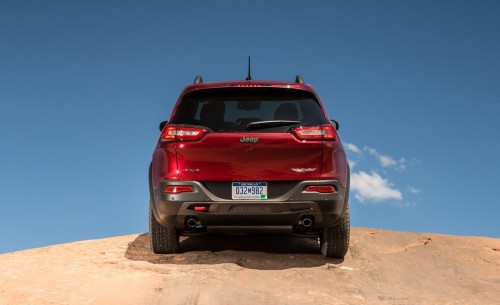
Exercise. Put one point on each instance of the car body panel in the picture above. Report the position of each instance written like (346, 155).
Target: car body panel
(223, 157)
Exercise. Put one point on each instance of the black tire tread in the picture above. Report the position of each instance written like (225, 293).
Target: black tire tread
(335, 240)
(163, 240)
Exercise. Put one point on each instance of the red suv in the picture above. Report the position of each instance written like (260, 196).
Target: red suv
(249, 153)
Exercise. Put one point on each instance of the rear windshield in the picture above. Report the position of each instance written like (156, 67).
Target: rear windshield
(244, 109)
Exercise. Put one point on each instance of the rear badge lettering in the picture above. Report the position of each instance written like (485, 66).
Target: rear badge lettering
(191, 170)
(303, 170)
(253, 140)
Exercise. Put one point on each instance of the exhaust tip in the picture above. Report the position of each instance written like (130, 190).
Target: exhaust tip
(307, 222)
(191, 222)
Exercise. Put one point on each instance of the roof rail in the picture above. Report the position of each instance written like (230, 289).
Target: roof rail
(198, 80)
(299, 79)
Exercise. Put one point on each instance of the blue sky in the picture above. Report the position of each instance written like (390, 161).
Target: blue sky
(83, 86)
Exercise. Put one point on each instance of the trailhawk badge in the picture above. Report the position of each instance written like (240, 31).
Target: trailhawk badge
(303, 170)
(253, 140)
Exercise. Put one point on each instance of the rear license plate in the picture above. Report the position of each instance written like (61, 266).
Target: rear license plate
(249, 190)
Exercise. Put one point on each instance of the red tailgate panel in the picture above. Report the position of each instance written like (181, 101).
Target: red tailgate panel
(223, 157)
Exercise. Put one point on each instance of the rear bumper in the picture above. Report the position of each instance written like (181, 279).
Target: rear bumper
(325, 210)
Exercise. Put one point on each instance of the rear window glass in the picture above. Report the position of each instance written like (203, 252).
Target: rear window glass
(234, 110)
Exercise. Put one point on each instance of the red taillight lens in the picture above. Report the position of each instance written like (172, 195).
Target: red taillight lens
(323, 132)
(176, 189)
(320, 188)
(181, 133)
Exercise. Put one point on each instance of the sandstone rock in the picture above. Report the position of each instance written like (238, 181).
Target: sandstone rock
(381, 267)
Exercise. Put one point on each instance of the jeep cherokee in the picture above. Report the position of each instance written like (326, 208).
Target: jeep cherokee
(249, 153)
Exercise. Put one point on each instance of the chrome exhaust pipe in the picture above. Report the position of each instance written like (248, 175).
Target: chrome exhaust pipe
(306, 222)
(191, 222)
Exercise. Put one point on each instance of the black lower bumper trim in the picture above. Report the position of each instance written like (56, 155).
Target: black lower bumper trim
(288, 210)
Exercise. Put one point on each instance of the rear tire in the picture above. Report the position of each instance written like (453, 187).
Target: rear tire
(334, 241)
(163, 240)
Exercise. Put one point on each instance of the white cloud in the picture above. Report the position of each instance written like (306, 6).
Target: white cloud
(386, 160)
(376, 185)
(353, 148)
(413, 189)
(372, 187)
(402, 164)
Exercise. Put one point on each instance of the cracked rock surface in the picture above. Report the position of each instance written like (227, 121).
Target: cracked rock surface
(381, 267)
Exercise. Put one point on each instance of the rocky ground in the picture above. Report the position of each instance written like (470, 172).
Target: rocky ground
(381, 267)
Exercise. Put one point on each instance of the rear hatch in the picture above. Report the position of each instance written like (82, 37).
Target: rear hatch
(248, 134)
(274, 156)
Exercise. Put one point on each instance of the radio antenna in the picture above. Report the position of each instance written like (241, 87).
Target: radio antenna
(249, 77)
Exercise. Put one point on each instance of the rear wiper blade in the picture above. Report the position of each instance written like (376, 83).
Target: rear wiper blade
(267, 124)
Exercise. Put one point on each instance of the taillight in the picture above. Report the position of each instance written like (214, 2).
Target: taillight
(323, 132)
(176, 189)
(320, 189)
(182, 133)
